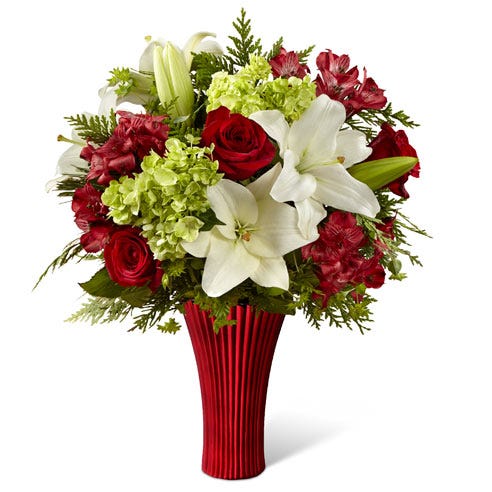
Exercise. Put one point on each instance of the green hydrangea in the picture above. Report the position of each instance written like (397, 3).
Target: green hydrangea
(168, 198)
(254, 89)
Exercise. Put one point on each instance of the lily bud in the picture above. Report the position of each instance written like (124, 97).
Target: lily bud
(381, 172)
(173, 80)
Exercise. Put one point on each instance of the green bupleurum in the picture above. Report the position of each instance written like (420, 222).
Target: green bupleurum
(168, 199)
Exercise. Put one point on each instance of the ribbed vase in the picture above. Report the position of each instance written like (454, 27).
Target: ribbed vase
(233, 368)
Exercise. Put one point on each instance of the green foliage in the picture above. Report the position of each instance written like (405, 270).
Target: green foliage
(66, 187)
(97, 129)
(100, 285)
(368, 119)
(244, 43)
(101, 310)
(169, 326)
(71, 251)
(123, 80)
(205, 64)
(275, 49)
(304, 54)
(397, 246)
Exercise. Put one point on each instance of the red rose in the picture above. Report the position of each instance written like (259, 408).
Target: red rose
(389, 143)
(240, 145)
(129, 261)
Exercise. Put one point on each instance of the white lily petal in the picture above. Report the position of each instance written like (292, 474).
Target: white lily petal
(109, 100)
(272, 272)
(227, 265)
(146, 63)
(263, 185)
(314, 134)
(351, 145)
(228, 230)
(290, 185)
(277, 232)
(232, 202)
(194, 45)
(337, 188)
(311, 213)
(209, 46)
(71, 163)
(200, 246)
(274, 123)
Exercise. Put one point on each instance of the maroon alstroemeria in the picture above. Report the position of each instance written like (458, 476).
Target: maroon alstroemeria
(341, 83)
(286, 64)
(90, 217)
(338, 258)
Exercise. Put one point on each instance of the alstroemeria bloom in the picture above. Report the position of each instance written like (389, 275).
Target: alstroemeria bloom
(316, 155)
(256, 232)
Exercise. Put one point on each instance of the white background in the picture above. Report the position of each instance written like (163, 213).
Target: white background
(405, 408)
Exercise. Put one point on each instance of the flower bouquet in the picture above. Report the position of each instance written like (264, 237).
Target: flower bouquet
(236, 187)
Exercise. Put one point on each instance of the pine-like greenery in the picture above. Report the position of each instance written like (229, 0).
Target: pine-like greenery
(95, 128)
(368, 119)
(73, 250)
(245, 44)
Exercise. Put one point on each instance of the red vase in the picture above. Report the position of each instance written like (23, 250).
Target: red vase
(233, 368)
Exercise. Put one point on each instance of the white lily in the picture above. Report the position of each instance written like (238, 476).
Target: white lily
(70, 163)
(316, 155)
(196, 44)
(257, 232)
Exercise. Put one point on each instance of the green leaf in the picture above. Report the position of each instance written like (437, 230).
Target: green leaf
(169, 326)
(209, 220)
(381, 172)
(100, 285)
(136, 296)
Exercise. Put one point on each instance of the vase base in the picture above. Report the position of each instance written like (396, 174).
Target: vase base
(238, 476)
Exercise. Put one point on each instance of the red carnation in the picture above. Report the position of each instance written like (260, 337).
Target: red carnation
(286, 64)
(389, 143)
(90, 217)
(338, 258)
(341, 83)
(240, 145)
(133, 138)
(129, 261)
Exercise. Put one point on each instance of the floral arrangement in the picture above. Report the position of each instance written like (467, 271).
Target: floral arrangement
(242, 176)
